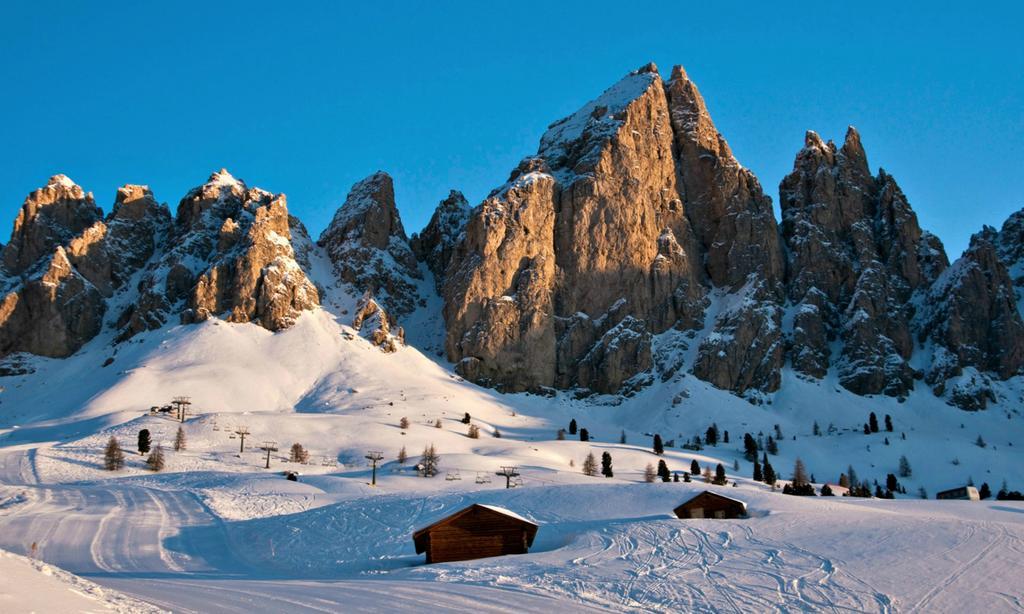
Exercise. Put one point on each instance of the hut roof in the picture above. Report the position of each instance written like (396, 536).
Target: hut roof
(420, 536)
(712, 494)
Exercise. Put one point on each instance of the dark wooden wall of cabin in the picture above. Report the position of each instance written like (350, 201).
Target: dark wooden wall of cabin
(475, 535)
(711, 505)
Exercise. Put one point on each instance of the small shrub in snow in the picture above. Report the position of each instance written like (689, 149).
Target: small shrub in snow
(980, 442)
(402, 456)
(496, 434)
(437, 423)
(466, 419)
(403, 424)
(155, 460)
(560, 436)
(649, 473)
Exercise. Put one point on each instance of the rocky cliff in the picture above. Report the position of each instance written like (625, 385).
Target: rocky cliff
(633, 220)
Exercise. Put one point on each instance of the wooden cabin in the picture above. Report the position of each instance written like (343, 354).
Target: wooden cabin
(712, 505)
(476, 532)
(967, 493)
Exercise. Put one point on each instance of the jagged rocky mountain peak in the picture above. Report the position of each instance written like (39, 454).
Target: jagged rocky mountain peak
(367, 244)
(50, 216)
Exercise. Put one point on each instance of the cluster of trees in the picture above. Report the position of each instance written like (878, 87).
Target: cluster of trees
(763, 471)
(574, 429)
(113, 454)
(800, 484)
(871, 426)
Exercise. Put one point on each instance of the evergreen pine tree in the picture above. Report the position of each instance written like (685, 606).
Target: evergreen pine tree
(735, 465)
(663, 471)
(867, 429)
(694, 467)
(720, 475)
(984, 492)
(466, 419)
(772, 446)
(826, 491)
(769, 473)
(844, 481)
(725, 437)
(622, 437)
(850, 473)
(891, 483)
(659, 447)
(816, 430)
(873, 422)
(888, 423)
(606, 465)
(686, 476)
(749, 447)
(572, 426)
(980, 442)
(113, 456)
(403, 424)
(711, 435)
(675, 476)
(584, 435)
(758, 476)
(155, 460)
(144, 441)
(904, 471)
(179, 440)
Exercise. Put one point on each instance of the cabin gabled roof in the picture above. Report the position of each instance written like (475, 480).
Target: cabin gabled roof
(709, 493)
(420, 536)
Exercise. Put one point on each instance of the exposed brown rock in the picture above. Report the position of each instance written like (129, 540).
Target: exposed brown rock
(53, 313)
(857, 256)
(374, 324)
(368, 246)
(436, 244)
(971, 316)
(51, 216)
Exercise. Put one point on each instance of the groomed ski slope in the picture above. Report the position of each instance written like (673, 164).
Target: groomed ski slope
(216, 532)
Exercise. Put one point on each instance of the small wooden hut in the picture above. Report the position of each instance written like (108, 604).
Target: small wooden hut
(967, 493)
(712, 505)
(476, 532)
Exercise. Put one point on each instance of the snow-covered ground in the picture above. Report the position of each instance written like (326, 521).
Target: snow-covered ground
(217, 531)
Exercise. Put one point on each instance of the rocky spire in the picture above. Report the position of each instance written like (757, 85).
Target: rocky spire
(856, 257)
(436, 243)
(51, 216)
(728, 210)
(971, 317)
(230, 254)
(367, 244)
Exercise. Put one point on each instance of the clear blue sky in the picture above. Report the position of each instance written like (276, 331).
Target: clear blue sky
(452, 95)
